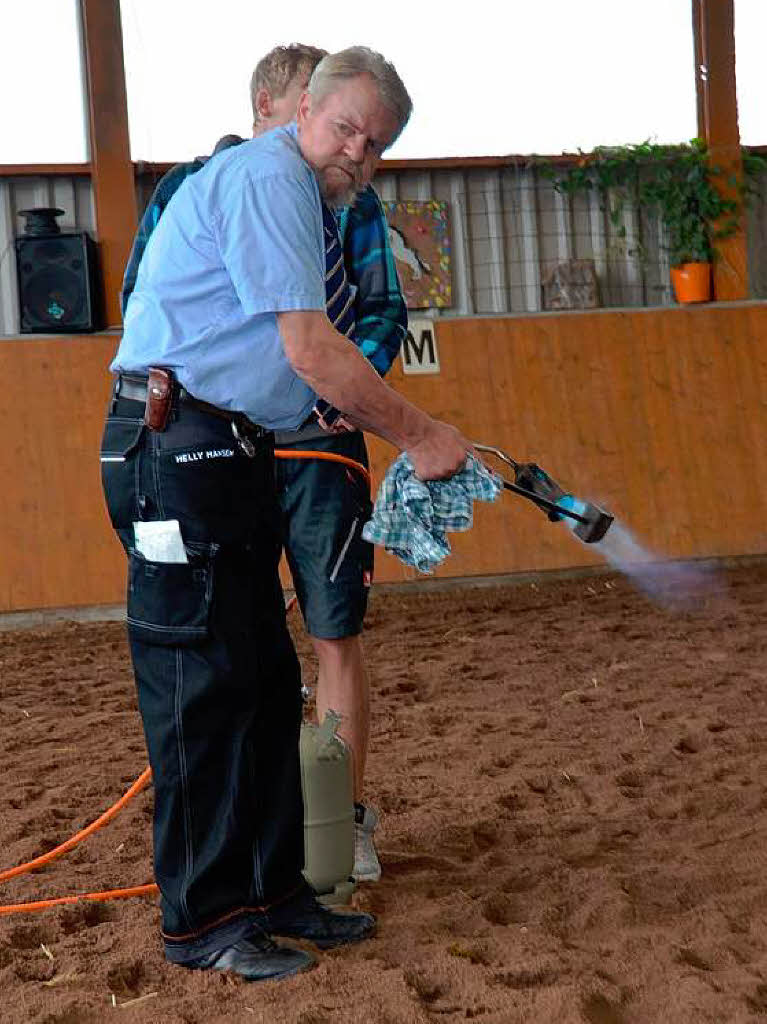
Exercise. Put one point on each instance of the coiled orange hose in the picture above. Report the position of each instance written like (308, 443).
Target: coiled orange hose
(109, 894)
(141, 783)
(22, 869)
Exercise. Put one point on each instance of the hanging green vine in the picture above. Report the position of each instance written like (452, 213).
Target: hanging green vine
(679, 183)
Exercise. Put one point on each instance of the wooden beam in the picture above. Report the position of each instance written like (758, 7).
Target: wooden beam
(439, 163)
(714, 39)
(45, 170)
(700, 70)
(113, 178)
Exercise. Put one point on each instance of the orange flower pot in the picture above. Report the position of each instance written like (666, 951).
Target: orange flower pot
(692, 282)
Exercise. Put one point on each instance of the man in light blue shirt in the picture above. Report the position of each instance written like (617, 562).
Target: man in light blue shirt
(226, 338)
(206, 296)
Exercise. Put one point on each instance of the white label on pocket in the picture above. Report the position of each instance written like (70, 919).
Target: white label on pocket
(160, 541)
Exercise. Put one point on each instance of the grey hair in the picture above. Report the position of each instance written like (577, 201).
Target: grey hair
(359, 60)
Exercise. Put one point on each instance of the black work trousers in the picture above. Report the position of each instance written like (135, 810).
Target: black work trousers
(217, 676)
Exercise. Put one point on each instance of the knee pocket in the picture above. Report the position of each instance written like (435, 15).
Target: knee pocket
(169, 603)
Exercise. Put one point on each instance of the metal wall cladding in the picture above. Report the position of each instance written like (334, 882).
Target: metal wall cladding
(73, 195)
(756, 239)
(509, 230)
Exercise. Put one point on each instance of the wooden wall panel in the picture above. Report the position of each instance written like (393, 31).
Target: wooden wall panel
(752, 374)
(56, 546)
(649, 413)
(660, 415)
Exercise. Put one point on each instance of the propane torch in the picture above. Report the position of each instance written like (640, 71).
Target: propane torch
(535, 484)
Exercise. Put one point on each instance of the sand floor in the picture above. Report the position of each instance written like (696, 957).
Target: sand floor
(572, 789)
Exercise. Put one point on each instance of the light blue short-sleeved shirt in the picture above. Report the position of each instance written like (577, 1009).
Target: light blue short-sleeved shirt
(239, 242)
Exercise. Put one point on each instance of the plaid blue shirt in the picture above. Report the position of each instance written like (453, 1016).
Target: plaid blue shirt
(381, 310)
(380, 307)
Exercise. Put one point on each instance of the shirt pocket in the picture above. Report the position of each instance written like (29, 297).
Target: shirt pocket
(169, 603)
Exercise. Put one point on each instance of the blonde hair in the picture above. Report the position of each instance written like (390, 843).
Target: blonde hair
(277, 69)
(359, 60)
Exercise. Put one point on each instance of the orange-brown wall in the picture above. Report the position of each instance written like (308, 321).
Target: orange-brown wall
(56, 546)
(661, 415)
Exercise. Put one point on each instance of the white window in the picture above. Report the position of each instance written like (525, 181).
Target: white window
(42, 83)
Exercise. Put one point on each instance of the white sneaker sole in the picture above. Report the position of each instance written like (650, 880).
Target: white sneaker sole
(367, 867)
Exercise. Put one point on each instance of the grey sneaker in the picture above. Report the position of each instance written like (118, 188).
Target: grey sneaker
(304, 917)
(367, 867)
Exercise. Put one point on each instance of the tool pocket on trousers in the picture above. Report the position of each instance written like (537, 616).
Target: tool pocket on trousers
(120, 437)
(169, 603)
(120, 440)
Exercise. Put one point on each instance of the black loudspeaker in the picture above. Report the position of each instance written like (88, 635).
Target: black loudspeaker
(58, 281)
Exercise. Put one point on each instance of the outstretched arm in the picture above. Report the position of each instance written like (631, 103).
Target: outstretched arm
(333, 367)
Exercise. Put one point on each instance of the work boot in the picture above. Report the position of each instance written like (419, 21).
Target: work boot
(367, 867)
(303, 917)
(256, 958)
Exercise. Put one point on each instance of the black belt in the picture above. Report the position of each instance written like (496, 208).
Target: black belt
(133, 387)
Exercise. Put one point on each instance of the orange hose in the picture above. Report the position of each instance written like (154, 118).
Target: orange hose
(141, 782)
(287, 453)
(109, 894)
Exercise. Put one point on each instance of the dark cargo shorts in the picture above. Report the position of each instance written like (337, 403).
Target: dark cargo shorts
(324, 507)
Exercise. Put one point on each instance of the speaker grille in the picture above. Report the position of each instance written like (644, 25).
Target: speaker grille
(53, 251)
(57, 279)
(55, 297)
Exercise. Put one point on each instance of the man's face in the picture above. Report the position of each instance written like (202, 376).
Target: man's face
(343, 137)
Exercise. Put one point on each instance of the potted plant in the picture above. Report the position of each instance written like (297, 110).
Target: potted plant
(681, 185)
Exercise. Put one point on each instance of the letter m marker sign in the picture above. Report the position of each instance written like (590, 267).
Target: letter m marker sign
(419, 349)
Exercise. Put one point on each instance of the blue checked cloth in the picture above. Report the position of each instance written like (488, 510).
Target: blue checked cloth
(411, 517)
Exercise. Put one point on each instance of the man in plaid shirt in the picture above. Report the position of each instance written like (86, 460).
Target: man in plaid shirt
(324, 506)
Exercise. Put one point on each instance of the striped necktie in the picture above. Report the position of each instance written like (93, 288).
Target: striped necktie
(339, 295)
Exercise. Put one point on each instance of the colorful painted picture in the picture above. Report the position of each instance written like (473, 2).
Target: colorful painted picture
(420, 241)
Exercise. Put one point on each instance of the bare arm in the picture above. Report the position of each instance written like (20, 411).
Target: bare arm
(334, 368)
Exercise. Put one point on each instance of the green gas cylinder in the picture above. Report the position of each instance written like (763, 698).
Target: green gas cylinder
(326, 780)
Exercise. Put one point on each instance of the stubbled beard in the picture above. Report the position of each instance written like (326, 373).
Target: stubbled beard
(349, 198)
(351, 202)
(338, 200)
